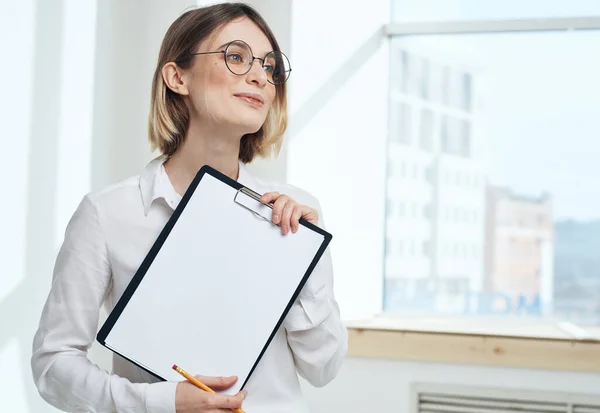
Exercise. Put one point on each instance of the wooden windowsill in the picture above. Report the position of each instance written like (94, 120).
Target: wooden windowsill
(492, 343)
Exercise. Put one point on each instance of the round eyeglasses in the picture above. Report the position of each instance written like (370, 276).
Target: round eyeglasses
(239, 60)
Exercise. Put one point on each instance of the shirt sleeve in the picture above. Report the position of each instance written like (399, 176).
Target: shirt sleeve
(315, 331)
(62, 371)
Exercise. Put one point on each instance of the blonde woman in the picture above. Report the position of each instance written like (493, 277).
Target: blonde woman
(218, 98)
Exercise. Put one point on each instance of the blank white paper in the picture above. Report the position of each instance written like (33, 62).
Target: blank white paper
(216, 289)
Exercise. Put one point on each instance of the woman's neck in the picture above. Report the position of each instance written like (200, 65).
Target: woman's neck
(199, 148)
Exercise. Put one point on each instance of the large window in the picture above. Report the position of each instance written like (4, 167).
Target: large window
(502, 216)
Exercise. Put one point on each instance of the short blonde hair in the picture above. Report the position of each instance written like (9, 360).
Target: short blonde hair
(169, 116)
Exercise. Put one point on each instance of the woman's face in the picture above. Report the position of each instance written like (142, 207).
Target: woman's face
(217, 95)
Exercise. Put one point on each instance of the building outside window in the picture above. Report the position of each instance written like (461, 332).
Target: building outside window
(510, 214)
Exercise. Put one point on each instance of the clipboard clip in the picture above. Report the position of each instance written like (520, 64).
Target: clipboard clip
(256, 197)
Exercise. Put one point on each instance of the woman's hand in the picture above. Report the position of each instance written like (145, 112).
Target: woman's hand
(191, 399)
(287, 212)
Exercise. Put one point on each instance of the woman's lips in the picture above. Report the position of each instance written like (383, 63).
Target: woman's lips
(251, 99)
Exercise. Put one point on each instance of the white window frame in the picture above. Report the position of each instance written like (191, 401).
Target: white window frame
(492, 26)
(454, 27)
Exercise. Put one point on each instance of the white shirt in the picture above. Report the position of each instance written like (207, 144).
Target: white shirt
(106, 240)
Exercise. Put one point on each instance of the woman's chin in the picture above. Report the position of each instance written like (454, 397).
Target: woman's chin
(250, 126)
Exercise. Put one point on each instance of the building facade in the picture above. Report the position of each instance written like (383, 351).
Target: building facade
(435, 186)
(520, 249)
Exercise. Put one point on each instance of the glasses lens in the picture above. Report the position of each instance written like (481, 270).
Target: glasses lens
(238, 57)
(277, 67)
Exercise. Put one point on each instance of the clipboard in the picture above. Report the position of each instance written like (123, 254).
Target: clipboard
(215, 286)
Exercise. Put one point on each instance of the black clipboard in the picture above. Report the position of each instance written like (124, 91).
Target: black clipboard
(246, 200)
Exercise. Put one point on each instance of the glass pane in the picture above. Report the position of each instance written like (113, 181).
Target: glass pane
(445, 10)
(493, 190)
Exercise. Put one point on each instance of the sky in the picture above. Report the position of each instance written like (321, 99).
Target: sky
(541, 100)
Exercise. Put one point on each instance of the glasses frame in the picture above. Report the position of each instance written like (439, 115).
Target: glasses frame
(262, 60)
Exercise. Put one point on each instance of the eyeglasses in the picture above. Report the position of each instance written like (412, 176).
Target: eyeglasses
(239, 60)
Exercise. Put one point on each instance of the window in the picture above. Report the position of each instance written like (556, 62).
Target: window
(465, 139)
(415, 211)
(459, 94)
(466, 93)
(426, 249)
(401, 123)
(401, 211)
(514, 220)
(425, 79)
(416, 76)
(404, 72)
(446, 71)
(455, 136)
(427, 211)
(436, 87)
(397, 75)
(426, 130)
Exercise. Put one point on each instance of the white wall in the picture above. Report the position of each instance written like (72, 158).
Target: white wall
(337, 137)
(128, 42)
(372, 386)
(38, 46)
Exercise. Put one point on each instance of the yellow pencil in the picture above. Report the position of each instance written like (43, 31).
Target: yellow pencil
(198, 383)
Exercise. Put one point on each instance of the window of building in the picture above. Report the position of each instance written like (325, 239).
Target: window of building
(415, 210)
(486, 112)
(401, 123)
(427, 211)
(401, 209)
(426, 130)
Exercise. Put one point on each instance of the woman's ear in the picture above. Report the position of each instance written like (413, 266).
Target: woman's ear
(173, 76)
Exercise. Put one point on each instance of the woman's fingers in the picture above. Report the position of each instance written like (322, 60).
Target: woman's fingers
(296, 215)
(218, 383)
(287, 212)
(277, 200)
(278, 207)
(219, 402)
(269, 197)
(286, 216)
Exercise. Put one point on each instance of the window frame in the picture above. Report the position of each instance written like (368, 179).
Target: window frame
(482, 27)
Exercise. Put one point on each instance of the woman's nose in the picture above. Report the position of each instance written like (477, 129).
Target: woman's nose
(257, 74)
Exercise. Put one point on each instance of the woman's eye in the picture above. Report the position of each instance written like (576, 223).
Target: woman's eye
(235, 58)
(268, 68)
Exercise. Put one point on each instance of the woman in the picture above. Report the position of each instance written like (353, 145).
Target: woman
(218, 98)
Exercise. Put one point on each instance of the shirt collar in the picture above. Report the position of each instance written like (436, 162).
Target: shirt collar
(246, 178)
(155, 184)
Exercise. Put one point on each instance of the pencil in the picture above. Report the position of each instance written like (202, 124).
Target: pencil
(198, 383)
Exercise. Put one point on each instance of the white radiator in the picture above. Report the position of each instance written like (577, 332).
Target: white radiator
(442, 398)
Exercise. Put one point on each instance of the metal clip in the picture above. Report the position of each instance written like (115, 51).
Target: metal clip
(250, 193)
